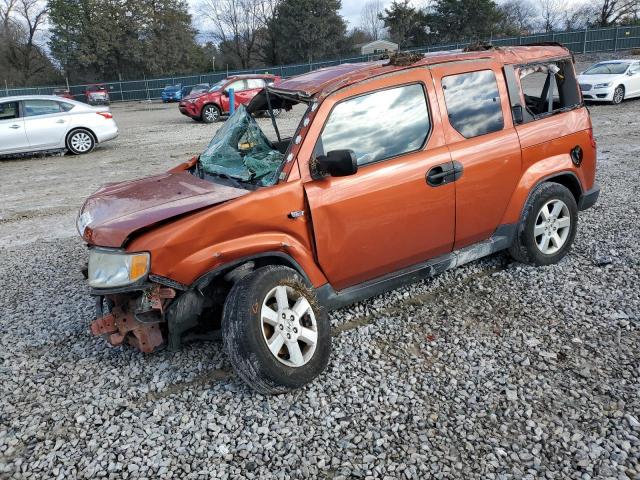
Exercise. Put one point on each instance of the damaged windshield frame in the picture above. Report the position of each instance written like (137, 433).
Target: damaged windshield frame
(254, 183)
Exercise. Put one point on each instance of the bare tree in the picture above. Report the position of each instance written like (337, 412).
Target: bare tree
(610, 12)
(578, 16)
(552, 14)
(519, 14)
(236, 24)
(370, 21)
(24, 20)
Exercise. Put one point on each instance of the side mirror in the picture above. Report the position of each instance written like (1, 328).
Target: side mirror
(338, 163)
(518, 115)
(225, 93)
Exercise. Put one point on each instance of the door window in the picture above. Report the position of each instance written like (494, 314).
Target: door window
(34, 108)
(8, 110)
(378, 125)
(473, 103)
(253, 83)
(238, 85)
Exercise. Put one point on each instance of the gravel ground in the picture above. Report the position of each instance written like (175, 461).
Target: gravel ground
(493, 370)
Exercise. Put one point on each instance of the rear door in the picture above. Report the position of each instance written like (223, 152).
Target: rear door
(46, 123)
(482, 141)
(12, 134)
(387, 216)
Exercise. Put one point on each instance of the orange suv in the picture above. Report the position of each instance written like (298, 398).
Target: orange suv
(398, 170)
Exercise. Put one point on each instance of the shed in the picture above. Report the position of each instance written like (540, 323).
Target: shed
(378, 46)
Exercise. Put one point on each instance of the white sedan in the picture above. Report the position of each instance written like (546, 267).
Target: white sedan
(611, 81)
(36, 123)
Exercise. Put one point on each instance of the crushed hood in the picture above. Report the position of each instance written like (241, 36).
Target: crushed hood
(117, 210)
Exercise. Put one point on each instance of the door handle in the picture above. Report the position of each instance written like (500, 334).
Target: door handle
(60, 121)
(440, 174)
(14, 126)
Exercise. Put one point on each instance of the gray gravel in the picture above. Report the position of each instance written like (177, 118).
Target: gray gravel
(494, 370)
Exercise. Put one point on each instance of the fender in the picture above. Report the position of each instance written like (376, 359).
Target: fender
(556, 166)
(225, 255)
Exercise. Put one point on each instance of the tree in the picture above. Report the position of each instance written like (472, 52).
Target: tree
(466, 19)
(309, 30)
(370, 21)
(610, 12)
(552, 12)
(405, 24)
(518, 17)
(235, 23)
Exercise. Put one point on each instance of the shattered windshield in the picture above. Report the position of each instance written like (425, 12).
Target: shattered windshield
(240, 150)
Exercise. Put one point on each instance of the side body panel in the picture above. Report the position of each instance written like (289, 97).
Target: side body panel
(13, 137)
(491, 162)
(385, 217)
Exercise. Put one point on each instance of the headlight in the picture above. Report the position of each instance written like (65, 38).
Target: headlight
(116, 269)
(602, 85)
(192, 100)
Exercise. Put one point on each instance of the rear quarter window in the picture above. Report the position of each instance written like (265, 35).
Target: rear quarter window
(473, 103)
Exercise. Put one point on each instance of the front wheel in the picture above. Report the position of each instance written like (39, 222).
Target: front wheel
(275, 334)
(618, 95)
(210, 114)
(547, 227)
(80, 141)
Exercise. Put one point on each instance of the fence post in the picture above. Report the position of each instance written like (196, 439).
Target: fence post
(584, 43)
(615, 43)
(146, 86)
(6, 87)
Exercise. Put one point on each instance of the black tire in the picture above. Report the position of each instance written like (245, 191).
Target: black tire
(245, 337)
(618, 95)
(210, 114)
(80, 141)
(525, 247)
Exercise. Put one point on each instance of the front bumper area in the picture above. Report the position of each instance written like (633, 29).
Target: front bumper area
(598, 95)
(190, 109)
(136, 318)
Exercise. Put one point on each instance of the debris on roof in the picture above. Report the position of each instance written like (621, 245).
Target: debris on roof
(403, 59)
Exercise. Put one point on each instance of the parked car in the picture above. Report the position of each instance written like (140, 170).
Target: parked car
(398, 170)
(171, 93)
(62, 92)
(33, 123)
(97, 94)
(199, 88)
(209, 106)
(611, 81)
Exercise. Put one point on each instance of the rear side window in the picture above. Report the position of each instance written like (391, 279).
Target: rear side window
(34, 108)
(549, 88)
(66, 106)
(473, 103)
(8, 110)
(378, 125)
(238, 86)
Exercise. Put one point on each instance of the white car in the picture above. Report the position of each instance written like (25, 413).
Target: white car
(611, 81)
(33, 123)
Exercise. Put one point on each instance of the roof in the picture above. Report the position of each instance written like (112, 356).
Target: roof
(373, 42)
(324, 81)
(18, 98)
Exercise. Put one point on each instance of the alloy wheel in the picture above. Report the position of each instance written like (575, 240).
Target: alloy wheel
(552, 227)
(618, 95)
(289, 326)
(81, 142)
(211, 114)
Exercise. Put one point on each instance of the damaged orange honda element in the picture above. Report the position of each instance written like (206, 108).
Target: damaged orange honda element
(398, 170)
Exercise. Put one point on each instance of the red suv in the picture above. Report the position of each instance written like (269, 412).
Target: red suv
(209, 106)
(97, 94)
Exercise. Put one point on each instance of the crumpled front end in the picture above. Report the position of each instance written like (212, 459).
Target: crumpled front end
(136, 318)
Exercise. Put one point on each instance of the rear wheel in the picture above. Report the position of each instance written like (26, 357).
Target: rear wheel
(275, 334)
(80, 141)
(548, 226)
(618, 95)
(210, 114)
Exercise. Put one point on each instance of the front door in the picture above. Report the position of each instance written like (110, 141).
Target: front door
(386, 216)
(12, 135)
(45, 123)
(634, 79)
(479, 131)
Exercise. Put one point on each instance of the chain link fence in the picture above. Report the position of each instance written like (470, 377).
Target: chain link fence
(578, 41)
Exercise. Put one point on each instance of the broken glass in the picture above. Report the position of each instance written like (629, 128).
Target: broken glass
(241, 150)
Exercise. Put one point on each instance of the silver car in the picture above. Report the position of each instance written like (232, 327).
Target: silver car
(35, 123)
(611, 81)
